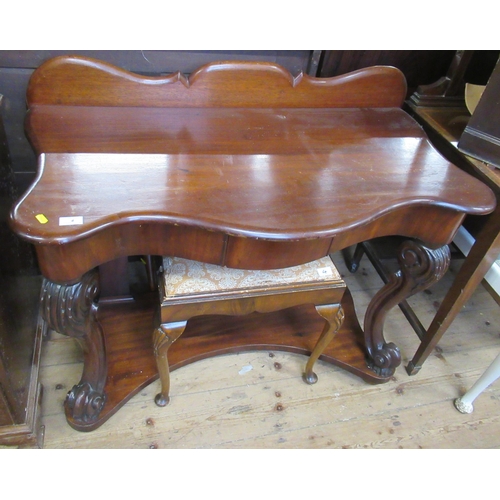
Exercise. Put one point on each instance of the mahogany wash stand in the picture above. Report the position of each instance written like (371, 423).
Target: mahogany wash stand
(241, 165)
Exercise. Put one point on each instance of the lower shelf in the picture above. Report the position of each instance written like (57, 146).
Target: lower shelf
(128, 329)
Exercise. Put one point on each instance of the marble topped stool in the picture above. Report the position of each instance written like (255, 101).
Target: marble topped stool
(190, 288)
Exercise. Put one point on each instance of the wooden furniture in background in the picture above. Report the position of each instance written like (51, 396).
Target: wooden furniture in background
(445, 127)
(448, 90)
(418, 66)
(20, 335)
(481, 137)
(241, 165)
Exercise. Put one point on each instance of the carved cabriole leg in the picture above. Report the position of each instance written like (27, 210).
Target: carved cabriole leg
(334, 315)
(72, 310)
(163, 338)
(420, 267)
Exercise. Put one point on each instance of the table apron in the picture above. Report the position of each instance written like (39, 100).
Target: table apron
(66, 263)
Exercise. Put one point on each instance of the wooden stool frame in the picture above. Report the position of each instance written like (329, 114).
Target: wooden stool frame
(326, 295)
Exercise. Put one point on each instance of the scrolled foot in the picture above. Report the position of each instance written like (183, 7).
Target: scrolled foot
(463, 407)
(385, 359)
(161, 400)
(85, 403)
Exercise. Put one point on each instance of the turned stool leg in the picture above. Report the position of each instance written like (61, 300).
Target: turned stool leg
(334, 315)
(163, 338)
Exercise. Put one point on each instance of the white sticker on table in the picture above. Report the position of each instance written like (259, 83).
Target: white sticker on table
(71, 221)
(325, 271)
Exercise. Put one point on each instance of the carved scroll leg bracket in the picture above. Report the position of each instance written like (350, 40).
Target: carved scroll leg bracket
(72, 310)
(163, 338)
(334, 315)
(420, 267)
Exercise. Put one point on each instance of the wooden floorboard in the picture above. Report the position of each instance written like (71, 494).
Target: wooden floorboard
(258, 400)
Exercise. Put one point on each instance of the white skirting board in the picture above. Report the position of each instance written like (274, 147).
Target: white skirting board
(464, 241)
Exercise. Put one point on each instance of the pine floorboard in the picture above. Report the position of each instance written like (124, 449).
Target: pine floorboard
(258, 400)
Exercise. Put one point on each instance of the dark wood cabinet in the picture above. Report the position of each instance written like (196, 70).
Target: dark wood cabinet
(481, 137)
(20, 331)
(418, 66)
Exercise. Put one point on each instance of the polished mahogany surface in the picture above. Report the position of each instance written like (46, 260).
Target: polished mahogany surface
(275, 174)
(213, 157)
